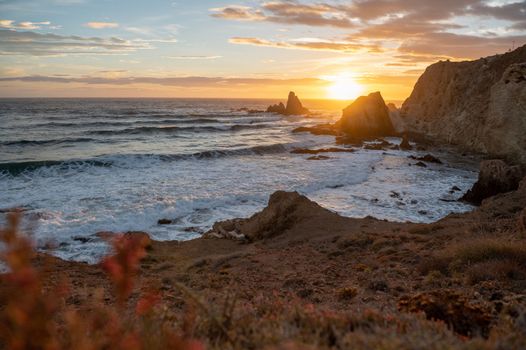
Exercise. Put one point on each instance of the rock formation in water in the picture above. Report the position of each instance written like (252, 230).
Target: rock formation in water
(479, 105)
(277, 108)
(495, 177)
(367, 116)
(294, 106)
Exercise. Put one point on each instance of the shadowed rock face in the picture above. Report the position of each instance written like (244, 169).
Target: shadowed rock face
(495, 177)
(284, 210)
(368, 116)
(294, 106)
(479, 105)
(277, 108)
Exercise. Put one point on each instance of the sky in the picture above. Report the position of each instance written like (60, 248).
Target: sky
(242, 49)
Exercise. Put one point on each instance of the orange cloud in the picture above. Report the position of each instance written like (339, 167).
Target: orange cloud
(311, 44)
(101, 25)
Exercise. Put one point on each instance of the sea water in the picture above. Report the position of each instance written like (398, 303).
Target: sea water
(80, 166)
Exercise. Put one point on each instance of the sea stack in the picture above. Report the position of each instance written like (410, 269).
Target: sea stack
(294, 106)
(366, 117)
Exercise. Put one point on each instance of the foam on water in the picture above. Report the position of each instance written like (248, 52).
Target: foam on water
(72, 191)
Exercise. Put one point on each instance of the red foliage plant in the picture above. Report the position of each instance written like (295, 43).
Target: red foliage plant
(33, 317)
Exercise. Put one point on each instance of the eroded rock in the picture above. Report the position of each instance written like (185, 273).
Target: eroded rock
(367, 116)
(293, 107)
(495, 177)
(284, 209)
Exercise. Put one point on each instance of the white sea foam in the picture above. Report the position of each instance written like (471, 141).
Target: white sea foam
(203, 178)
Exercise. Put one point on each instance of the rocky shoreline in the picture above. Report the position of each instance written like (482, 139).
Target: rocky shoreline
(296, 250)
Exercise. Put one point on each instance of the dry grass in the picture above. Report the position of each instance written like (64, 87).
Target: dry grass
(34, 317)
(482, 259)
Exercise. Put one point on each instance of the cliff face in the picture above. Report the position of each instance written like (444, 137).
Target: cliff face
(479, 105)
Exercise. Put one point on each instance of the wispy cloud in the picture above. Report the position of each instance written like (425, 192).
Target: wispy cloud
(308, 44)
(424, 27)
(194, 57)
(194, 81)
(24, 25)
(287, 12)
(101, 25)
(38, 44)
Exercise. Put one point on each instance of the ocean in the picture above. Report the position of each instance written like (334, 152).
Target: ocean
(80, 166)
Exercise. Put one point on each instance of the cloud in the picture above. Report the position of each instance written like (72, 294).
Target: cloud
(289, 12)
(309, 44)
(449, 28)
(240, 13)
(454, 45)
(26, 25)
(195, 81)
(101, 25)
(194, 57)
(38, 44)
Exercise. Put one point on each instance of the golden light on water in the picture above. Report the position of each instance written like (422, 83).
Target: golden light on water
(343, 87)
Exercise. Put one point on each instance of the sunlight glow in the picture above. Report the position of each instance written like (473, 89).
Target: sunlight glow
(344, 87)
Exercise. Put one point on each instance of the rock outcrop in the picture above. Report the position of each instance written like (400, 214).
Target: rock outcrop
(277, 108)
(495, 177)
(294, 106)
(368, 116)
(284, 210)
(479, 105)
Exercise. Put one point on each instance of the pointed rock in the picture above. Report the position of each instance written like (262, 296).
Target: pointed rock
(294, 106)
(368, 116)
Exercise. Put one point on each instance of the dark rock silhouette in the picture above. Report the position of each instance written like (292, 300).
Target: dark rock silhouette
(366, 117)
(495, 177)
(429, 158)
(479, 105)
(321, 129)
(277, 108)
(294, 106)
(405, 145)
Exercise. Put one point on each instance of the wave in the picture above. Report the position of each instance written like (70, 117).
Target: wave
(81, 124)
(175, 129)
(46, 142)
(129, 160)
(18, 168)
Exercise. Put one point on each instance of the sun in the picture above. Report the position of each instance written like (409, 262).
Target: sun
(344, 88)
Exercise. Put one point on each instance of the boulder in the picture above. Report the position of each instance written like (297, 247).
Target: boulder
(429, 158)
(405, 145)
(367, 117)
(321, 129)
(284, 210)
(495, 177)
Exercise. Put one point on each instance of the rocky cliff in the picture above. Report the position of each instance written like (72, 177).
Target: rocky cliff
(479, 105)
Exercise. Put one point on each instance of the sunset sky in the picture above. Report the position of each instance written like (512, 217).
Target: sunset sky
(161, 48)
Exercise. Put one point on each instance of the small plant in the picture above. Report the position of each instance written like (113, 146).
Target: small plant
(347, 293)
(32, 318)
